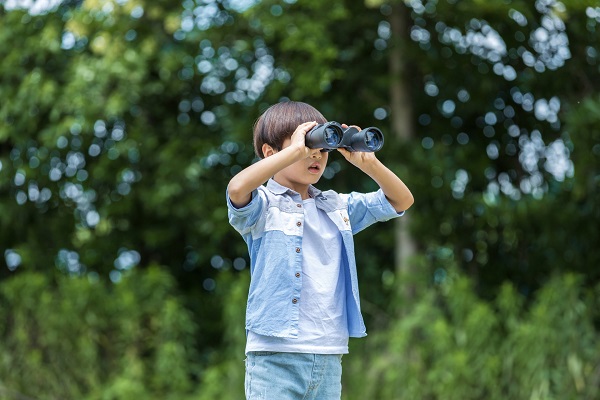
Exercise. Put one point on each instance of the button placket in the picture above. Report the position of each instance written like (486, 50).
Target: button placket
(298, 249)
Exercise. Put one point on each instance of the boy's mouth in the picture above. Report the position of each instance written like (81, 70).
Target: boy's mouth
(314, 168)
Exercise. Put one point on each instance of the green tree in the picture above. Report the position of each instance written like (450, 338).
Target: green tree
(113, 152)
(490, 87)
(122, 121)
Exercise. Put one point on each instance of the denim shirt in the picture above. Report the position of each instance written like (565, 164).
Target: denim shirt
(271, 224)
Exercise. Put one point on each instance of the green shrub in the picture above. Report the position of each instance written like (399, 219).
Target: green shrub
(75, 338)
(452, 345)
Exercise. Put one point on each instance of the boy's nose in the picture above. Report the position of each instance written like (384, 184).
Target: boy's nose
(316, 154)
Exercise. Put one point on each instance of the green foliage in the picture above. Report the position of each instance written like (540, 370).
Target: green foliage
(80, 338)
(112, 110)
(453, 345)
(223, 378)
(121, 123)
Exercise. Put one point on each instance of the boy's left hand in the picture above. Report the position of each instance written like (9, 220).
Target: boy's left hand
(359, 159)
(394, 189)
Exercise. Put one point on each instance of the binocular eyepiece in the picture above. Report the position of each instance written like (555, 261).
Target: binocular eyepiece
(331, 135)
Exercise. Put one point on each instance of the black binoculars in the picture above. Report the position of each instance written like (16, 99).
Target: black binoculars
(330, 136)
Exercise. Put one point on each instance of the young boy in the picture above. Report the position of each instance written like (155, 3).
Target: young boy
(303, 301)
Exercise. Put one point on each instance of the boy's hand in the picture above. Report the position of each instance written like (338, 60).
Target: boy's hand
(298, 139)
(359, 159)
(394, 189)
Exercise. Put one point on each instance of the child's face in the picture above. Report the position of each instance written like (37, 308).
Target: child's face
(304, 172)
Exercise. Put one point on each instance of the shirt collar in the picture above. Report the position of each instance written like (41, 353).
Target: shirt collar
(276, 188)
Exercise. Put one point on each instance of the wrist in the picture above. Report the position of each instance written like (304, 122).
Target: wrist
(299, 151)
(295, 152)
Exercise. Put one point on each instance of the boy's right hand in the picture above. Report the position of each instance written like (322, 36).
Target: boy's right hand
(298, 138)
(243, 183)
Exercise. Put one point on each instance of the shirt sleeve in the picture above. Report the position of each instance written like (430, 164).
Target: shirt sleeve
(245, 218)
(364, 209)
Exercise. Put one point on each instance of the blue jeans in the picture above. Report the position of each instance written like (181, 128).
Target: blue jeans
(290, 376)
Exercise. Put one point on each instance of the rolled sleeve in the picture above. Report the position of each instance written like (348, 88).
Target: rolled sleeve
(244, 218)
(364, 209)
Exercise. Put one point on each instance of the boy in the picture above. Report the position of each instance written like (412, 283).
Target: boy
(303, 301)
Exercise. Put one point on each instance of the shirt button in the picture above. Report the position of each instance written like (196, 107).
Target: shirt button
(298, 223)
(297, 274)
(294, 301)
(298, 205)
(297, 249)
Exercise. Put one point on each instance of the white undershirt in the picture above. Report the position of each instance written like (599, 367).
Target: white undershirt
(322, 325)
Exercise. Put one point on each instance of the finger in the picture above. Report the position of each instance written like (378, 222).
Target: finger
(307, 126)
(344, 152)
(304, 128)
(345, 126)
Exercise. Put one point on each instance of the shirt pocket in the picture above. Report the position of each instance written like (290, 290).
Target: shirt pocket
(285, 219)
(341, 219)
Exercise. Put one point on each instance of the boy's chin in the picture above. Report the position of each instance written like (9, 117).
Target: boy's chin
(315, 180)
(315, 174)
(311, 180)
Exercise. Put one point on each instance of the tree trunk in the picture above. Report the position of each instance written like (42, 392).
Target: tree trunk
(404, 131)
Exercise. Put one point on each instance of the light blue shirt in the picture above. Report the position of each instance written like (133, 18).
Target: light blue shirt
(272, 226)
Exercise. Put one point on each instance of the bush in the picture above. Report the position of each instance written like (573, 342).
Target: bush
(453, 345)
(75, 338)
(79, 338)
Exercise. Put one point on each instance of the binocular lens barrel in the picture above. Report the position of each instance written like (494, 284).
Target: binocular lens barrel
(331, 135)
(327, 136)
(374, 139)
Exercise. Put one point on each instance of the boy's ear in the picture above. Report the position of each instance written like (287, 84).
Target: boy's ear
(268, 150)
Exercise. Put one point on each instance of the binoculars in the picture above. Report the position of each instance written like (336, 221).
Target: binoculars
(331, 135)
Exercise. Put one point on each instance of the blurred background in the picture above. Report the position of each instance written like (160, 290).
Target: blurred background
(121, 123)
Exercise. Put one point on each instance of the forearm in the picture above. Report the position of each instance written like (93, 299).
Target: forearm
(394, 189)
(241, 185)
